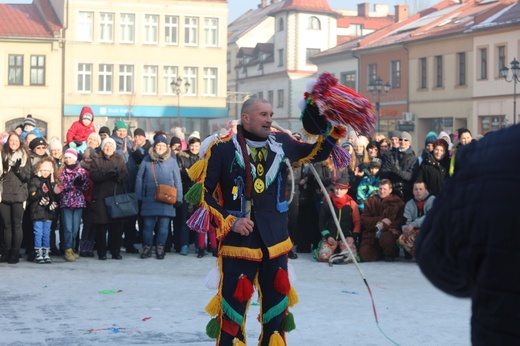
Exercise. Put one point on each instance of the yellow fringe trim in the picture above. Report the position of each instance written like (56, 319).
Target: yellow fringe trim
(276, 340)
(293, 297)
(214, 306)
(280, 248)
(238, 342)
(195, 172)
(313, 153)
(241, 252)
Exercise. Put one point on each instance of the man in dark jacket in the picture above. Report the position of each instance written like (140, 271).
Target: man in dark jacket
(400, 167)
(468, 244)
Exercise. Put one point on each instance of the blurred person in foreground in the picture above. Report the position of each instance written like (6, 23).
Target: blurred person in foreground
(468, 243)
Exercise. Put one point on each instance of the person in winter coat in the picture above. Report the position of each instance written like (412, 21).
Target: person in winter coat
(185, 160)
(87, 242)
(43, 206)
(468, 243)
(370, 183)
(381, 221)
(415, 212)
(159, 167)
(108, 172)
(79, 130)
(465, 138)
(400, 167)
(15, 174)
(73, 180)
(434, 170)
(347, 212)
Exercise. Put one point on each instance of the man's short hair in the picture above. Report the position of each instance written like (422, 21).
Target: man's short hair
(419, 181)
(249, 103)
(386, 182)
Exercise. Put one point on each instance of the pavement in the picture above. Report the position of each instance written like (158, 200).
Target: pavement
(161, 302)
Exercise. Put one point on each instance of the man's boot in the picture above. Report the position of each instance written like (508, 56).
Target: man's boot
(69, 255)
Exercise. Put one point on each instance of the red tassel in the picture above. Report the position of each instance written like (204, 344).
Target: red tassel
(244, 290)
(281, 282)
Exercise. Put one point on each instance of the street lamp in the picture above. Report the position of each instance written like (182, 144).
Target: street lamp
(504, 71)
(176, 89)
(378, 89)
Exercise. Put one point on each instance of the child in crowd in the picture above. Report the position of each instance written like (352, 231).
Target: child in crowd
(29, 126)
(80, 130)
(370, 183)
(347, 213)
(43, 206)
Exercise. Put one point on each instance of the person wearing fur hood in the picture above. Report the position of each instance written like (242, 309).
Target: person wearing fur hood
(159, 167)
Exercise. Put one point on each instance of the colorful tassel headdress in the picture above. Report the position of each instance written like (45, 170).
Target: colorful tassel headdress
(328, 103)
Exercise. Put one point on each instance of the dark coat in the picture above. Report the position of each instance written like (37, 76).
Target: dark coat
(434, 173)
(15, 184)
(400, 167)
(185, 159)
(104, 185)
(468, 243)
(167, 173)
(376, 209)
(37, 211)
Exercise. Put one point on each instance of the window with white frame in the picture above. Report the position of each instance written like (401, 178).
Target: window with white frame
(169, 75)
(211, 32)
(171, 29)
(483, 63)
(84, 27)
(15, 69)
(84, 78)
(501, 58)
(151, 29)
(395, 74)
(106, 27)
(210, 81)
(191, 26)
(37, 70)
(126, 79)
(280, 99)
(105, 78)
(313, 23)
(190, 76)
(150, 80)
(127, 28)
(371, 73)
(349, 80)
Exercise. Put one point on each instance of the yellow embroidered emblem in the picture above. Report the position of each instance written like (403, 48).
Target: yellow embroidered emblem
(259, 185)
(260, 169)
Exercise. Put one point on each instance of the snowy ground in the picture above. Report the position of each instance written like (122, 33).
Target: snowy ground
(152, 302)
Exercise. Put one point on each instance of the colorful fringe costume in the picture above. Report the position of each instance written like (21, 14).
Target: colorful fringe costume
(235, 169)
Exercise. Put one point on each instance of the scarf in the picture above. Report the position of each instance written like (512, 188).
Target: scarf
(340, 202)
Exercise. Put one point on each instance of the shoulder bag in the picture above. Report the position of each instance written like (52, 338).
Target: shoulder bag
(164, 193)
(121, 206)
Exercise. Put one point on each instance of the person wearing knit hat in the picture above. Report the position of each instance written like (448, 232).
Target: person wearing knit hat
(343, 204)
(106, 141)
(79, 131)
(71, 153)
(369, 184)
(104, 132)
(56, 149)
(394, 138)
(139, 132)
(428, 147)
(406, 137)
(29, 126)
(175, 145)
(194, 134)
(160, 139)
(435, 170)
(120, 124)
(38, 141)
(93, 140)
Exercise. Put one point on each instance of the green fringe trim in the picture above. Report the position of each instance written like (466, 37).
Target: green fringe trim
(288, 323)
(194, 194)
(275, 310)
(231, 313)
(213, 328)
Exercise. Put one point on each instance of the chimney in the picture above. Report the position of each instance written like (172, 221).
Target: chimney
(401, 13)
(263, 4)
(363, 9)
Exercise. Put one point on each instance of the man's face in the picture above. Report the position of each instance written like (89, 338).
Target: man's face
(384, 190)
(194, 148)
(140, 139)
(121, 133)
(258, 119)
(405, 143)
(419, 191)
(176, 148)
(340, 192)
(395, 142)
